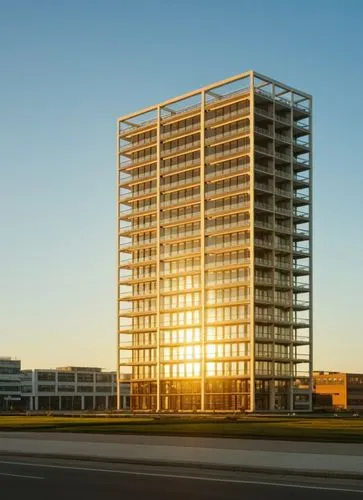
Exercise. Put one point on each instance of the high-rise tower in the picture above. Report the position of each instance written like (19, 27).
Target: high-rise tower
(215, 249)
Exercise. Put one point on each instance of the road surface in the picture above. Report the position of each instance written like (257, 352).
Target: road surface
(50, 479)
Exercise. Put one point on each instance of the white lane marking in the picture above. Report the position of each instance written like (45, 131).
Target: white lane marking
(20, 475)
(181, 476)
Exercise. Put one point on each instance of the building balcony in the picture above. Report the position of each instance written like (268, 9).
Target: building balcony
(180, 131)
(224, 173)
(301, 305)
(263, 169)
(214, 283)
(262, 186)
(128, 296)
(132, 263)
(280, 264)
(179, 202)
(138, 145)
(180, 184)
(134, 312)
(283, 174)
(168, 256)
(263, 131)
(263, 150)
(283, 247)
(282, 284)
(227, 117)
(264, 224)
(129, 280)
(283, 138)
(227, 154)
(264, 113)
(181, 166)
(227, 191)
(263, 243)
(263, 281)
(231, 208)
(228, 264)
(130, 245)
(301, 144)
(227, 136)
(283, 229)
(282, 192)
(227, 227)
(301, 234)
(138, 162)
(283, 211)
(264, 207)
(138, 195)
(300, 287)
(301, 165)
(132, 180)
(264, 299)
(180, 149)
(300, 251)
(178, 237)
(177, 220)
(283, 157)
(301, 270)
(301, 199)
(216, 248)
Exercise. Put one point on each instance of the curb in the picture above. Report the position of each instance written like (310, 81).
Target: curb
(193, 465)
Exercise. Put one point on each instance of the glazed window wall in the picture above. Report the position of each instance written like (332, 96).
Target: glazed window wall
(178, 180)
(180, 283)
(180, 161)
(228, 148)
(181, 318)
(179, 249)
(228, 167)
(181, 231)
(179, 197)
(228, 185)
(180, 127)
(180, 300)
(228, 112)
(228, 332)
(227, 295)
(227, 277)
(226, 241)
(228, 222)
(179, 336)
(186, 142)
(228, 130)
(143, 155)
(227, 313)
(227, 203)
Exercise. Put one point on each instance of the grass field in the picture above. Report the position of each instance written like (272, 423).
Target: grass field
(313, 429)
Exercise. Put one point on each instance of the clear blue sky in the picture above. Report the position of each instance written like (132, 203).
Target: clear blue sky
(69, 68)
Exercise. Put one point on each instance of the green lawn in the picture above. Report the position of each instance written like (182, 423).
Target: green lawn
(295, 428)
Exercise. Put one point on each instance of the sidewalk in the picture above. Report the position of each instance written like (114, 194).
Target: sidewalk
(316, 459)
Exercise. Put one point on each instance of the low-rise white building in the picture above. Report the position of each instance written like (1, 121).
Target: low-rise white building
(72, 388)
(10, 376)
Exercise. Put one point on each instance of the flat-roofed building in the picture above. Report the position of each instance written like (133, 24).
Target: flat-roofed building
(215, 249)
(10, 386)
(73, 389)
(344, 389)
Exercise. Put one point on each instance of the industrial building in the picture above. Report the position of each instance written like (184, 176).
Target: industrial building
(215, 249)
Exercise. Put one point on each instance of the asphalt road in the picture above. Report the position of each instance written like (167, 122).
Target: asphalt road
(38, 479)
